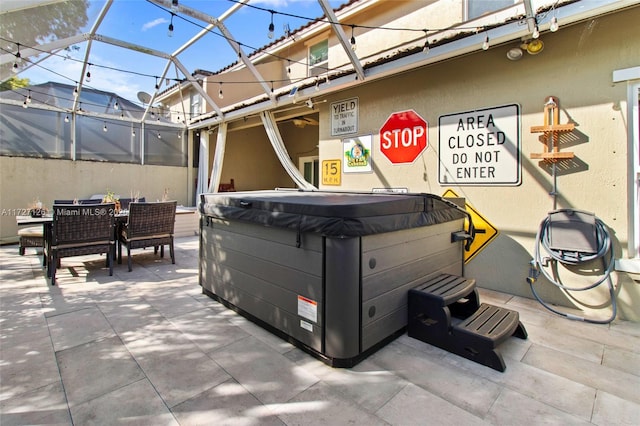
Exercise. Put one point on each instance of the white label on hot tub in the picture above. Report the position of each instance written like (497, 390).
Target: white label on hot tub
(306, 325)
(308, 308)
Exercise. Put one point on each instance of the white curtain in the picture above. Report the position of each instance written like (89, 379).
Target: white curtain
(281, 151)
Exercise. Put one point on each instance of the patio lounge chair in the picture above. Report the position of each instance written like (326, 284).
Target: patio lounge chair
(148, 225)
(79, 230)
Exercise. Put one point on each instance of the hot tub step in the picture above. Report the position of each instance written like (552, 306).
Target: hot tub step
(481, 329)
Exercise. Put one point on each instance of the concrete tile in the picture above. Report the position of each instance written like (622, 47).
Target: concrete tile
(226, 404)
(177, 368)
(27, 365)
(93, 369)
(462, 388)
(622, 359)
(172, 303)
(319, 405)
(601, 377)
(610, 409)
(542, 386)
(127, 312)
(579, 346)
(208, 330)
(78, 327)
(264, 372)
(274, 342)
(415, 406)
(45, 405)
(134, 404)
(365, 384)
(513, 408)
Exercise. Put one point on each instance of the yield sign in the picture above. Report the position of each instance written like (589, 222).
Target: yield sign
(485, 232)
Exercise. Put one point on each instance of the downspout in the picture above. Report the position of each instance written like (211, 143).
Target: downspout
(273, 133)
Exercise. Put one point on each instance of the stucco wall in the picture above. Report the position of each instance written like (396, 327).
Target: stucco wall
(576, 66)
(24, 179)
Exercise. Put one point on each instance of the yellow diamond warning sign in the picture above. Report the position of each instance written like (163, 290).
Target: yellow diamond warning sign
(485, 232)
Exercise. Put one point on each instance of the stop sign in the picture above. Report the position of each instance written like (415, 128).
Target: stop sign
(403, 137)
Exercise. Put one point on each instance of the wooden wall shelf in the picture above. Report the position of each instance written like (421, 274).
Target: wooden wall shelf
(552, 130)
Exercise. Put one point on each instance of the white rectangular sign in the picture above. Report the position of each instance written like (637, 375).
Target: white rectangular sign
(344, 117)
(480, 147)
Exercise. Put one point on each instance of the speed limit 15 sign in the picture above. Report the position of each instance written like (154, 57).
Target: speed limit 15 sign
(331, 172)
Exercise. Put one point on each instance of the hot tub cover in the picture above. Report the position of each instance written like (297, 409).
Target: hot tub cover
(334, 214)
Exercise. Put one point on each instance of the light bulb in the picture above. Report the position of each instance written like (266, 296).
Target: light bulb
(220, 94)
(104, 128)
(485, 45)
(66, 119)
(75, 92)
(353, 43)
(553, 27)
(88, 77)
(536, 32)
(29, 97)
(116, 106)
(24, 104)
(159, 135)
(270, 34)
(426, 47)
(170, 31)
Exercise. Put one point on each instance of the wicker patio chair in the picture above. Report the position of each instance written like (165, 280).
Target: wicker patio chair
(148, 225)
(79, 230)
(124, 202)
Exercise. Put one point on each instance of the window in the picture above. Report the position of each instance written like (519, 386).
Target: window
(196, 104)
(318, 58)
(477, 8)
(310, 169)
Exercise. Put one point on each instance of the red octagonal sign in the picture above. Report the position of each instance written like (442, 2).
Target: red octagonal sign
(403, 137)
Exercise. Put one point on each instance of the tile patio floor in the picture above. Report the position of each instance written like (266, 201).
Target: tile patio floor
(147, 347)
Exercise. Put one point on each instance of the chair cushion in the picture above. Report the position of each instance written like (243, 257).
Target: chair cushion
(32, 231)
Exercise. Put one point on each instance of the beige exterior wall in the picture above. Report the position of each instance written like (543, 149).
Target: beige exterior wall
(576, 66)
(24, 179)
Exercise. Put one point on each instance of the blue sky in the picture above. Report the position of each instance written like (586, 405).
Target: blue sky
(145, 24)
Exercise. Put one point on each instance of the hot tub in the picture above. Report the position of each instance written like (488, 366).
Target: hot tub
(327, 271)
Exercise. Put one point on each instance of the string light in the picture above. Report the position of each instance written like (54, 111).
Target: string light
(18, 59)
(553, 27)
(317, 85)
(174, 5)
(353, 39)
(272, 87)
(170, 30)
(220, 95)
(75, 92)
(159, 135)
(133, 132)
(536, 32)
(24, 104)
(88, 73)
(157, 85)
(271, 27)
(29, 97)
(116, 106)
(485, 45)
(66, 119)
(104, 128)
(426, 46)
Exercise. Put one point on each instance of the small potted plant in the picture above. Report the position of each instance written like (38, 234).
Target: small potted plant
(111, 197)
(36, 209)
